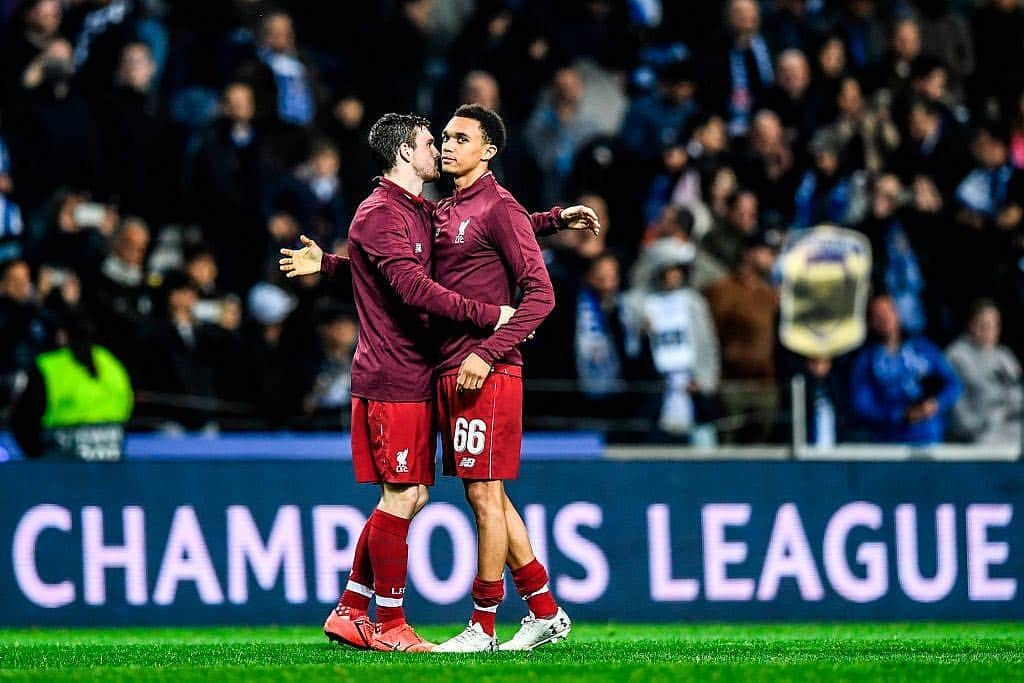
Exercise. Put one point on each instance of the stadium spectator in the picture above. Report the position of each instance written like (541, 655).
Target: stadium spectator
(330, 393)
(25, 43)
(868, 138)
(725, 243)
(268, 347)
(213, 305)
(136, 138)
(893, 73)
(657, 120)
(76, 400)
(12, 226)
(789, 27)
(902, 387)
(897, 271)
(826, 397)
(933, 149)
(768, 168)
(557, 130)
(825, 192)
(226, 184)
(830, 70)
(791, 98)
(739, 70)
(743, 306)
(182, 357)
(309, 200)
(947, 37)
(118, 294)
(990, 409)
(53, 135)
(858, 24)
(99, 30)
(25, 329)
(684, 353)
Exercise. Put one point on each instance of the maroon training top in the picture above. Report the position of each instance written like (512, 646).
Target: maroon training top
(484, 248)
(389, 246)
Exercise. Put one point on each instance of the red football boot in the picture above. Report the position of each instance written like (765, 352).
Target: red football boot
(349, 626)
(399, 638)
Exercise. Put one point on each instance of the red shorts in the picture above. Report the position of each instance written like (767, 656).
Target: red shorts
(482, 431)
(393, 442)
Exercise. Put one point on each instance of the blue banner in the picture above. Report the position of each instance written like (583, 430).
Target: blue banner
(271, 542)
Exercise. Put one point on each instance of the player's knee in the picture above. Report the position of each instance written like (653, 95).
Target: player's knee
(400, 499)
(485, 496)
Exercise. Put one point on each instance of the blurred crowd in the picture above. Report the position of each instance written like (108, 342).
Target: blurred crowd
(155, 155)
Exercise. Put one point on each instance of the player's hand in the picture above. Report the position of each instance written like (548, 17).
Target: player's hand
(472, 373)
(305, 261)
(581, 218)
(506, 314)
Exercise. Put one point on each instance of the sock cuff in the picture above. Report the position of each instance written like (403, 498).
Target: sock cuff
(530, 578)
(389, 523)
(488, 593)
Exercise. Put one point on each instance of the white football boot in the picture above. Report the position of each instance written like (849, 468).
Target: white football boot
(535, 632)
(472, 639)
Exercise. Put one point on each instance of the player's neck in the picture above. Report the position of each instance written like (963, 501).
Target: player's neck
(464, 181)
(407, 179)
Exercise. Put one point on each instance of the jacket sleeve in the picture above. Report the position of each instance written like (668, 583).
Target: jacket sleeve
(547, 222)
(387, 243)
(511, 230)
(330, 263)
(951, 387)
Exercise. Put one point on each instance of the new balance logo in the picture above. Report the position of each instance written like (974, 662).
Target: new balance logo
(461, 237)
(401, 457)
(418, 248)
(467, 462)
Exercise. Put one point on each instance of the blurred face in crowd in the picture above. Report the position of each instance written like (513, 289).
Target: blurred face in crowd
(671, 279)
(464, 146)
(481, 88)
(794, 74)
(238, 103)
(339, 334)
(180, 303)
(279, 34)
(17, 283)
(819, 367)
(933, 84)
(906, 40)
(761, 259)
(922, 122)
(1005, 5)
(744, 17)
(985, 327)
(827, 162)
(603, 275)
(885, 321)
(137, 67)
(131, 244)
(989, 150)
(424, 156)
(886, 196)
(850, 99)
(832, 58)
(711, 135)
(743, 213)
(326, 162)
(767, 132)
(43, 19)
(568, 86)
(202, 270)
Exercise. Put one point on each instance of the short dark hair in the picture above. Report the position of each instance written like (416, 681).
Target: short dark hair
(389, 132)
(490, 123)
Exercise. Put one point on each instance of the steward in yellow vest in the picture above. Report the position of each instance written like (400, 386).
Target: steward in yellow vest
(76, 402)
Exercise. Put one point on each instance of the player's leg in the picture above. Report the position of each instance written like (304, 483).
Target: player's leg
(486, 499)
(348, 623)
(547, 622)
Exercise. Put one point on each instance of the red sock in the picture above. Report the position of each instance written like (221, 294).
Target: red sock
(389, 555)
(487, 595)
(360, 580)
(532, 583)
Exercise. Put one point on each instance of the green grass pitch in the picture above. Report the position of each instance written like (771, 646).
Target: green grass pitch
(605, 652)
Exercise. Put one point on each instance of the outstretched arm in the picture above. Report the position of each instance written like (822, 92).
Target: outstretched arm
(574, 218)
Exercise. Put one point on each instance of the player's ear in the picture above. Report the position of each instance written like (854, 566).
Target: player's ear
(489, 152)
(405, 152)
